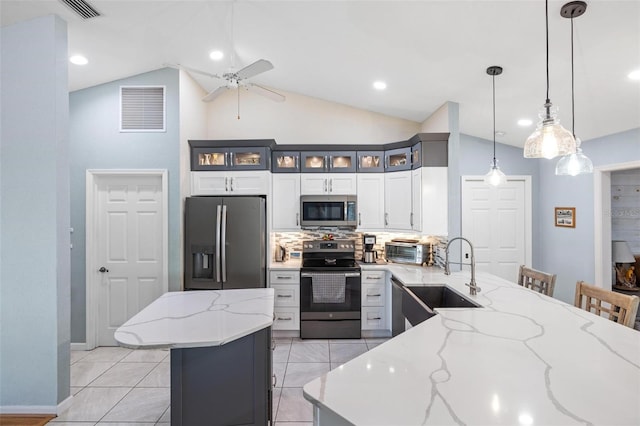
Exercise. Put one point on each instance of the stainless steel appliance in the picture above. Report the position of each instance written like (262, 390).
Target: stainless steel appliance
(328, 210)
(225, 243)
(330, 290)
(406, 251)
(369, 255)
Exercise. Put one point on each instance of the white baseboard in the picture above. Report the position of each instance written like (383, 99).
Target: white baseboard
(51, 410)
(78, 346)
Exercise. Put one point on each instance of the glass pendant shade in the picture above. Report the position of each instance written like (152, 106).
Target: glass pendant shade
(574, 164)
(550, 139)
(495, 177)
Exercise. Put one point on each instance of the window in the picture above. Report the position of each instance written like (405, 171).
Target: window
(142, 108)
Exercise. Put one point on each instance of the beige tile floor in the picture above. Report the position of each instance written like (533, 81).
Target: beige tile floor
(123, 387)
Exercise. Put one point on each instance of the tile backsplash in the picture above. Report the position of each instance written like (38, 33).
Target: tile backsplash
(292, 241)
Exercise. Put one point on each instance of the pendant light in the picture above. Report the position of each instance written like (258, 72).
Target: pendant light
(576, 163)
(550, 139)
(495, 176)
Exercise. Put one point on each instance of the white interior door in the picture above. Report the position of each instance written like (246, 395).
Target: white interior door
(129, 246)
(497, 220)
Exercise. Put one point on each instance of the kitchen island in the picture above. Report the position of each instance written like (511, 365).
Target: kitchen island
(220, 345)
(521, 359)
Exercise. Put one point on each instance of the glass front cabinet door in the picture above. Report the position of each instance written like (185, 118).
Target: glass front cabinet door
(314, 162)
(370, 161)
(285, 161)
(397, 159)
(342, 162)
(416, 156)
(254, 158)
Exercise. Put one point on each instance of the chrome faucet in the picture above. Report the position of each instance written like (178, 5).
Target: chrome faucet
(473, 287)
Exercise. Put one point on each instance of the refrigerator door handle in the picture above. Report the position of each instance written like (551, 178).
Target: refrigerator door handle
(217, 242)
(223, 242)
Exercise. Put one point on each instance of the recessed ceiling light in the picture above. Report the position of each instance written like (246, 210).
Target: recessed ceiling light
(379, 85)
(78, 60)
(634, 75)
(216, 55)
(525, 122)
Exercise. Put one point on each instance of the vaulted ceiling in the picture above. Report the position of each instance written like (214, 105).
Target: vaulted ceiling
(428, 52)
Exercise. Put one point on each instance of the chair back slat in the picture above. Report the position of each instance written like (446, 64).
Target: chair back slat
(620, 308)
(537, 280)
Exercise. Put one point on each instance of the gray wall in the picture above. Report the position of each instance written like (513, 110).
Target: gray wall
(34, 216)
(476, 155)
(96, 143)
(569, 252)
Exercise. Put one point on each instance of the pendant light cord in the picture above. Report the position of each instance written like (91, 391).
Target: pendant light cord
(573, 114)
(494, 119)
(546, 12)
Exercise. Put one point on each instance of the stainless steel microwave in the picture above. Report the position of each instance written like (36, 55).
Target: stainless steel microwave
(328, 211)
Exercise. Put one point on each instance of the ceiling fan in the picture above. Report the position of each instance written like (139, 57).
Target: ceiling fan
(237, 79)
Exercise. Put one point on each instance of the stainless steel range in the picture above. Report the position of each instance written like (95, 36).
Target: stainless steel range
(330, 290)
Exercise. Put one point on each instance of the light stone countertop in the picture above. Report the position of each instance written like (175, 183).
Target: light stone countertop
(189, 319)
(522, 359)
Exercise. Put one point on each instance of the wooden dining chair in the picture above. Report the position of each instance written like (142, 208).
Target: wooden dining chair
(537, 280)
(620, 308)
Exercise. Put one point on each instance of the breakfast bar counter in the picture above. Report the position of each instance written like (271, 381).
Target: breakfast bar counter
(521, 359)
(220, 343)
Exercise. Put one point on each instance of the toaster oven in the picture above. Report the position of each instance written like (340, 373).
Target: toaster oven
(406, 252)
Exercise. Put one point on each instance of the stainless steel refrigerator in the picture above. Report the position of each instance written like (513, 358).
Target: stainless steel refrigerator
(225, 243)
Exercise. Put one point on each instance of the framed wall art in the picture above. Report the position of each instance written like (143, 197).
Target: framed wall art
(565, 217)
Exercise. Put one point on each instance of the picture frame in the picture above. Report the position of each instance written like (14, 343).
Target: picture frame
(565, 217)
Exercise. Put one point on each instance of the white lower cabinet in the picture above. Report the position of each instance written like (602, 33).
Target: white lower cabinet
(286, 286)
(375, 300)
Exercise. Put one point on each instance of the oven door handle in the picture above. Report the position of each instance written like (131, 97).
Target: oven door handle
(313, 274)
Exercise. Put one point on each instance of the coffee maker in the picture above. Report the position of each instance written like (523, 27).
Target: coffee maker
(369, 254)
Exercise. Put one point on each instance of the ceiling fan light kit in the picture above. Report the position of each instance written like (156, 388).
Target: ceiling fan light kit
(576, 163)
(495, 176)
(550, 139)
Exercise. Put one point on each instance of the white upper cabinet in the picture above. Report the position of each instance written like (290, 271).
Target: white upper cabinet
(328, 183)
(397, 200)
(371, 201)
(285, 205)
(230, 183)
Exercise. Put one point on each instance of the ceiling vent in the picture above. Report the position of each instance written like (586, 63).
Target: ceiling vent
(82, 8)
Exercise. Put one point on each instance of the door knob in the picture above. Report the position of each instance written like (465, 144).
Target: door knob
(103, 269)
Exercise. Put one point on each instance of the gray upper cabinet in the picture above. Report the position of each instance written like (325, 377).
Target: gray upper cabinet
(416, 156)
(328, 162)
(397, 159)
(370, 161)
(211, 159)
(285, 161)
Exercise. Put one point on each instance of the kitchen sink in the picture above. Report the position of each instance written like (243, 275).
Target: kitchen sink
(441, 296)
(418, 303)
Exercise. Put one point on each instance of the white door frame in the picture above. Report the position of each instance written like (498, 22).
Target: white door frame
(91, 226)
(528, 226)
(602, 220)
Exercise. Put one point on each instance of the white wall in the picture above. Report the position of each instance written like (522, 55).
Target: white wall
(301, 120)
(438, 122)
(34, 216)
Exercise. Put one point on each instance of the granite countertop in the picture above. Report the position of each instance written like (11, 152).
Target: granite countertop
(189, 319)
(522, 359)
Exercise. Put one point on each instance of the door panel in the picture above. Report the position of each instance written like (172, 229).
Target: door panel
(494, 220)
(129, 243)
(244, 252)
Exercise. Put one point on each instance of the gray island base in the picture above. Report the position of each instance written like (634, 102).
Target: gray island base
(220, 345)
(223, 385)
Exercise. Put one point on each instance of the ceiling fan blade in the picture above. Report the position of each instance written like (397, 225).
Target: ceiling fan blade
(193, 70)
(265, 92)
(259, 66)
(214, 93)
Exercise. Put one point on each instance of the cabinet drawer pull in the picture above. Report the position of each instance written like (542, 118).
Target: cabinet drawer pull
(297, 219)
(375, 295)
(273, 344)
(275, 380)
(285, 295)
(284, 277)
(284, 318)
(373, 277)
(375, 318)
